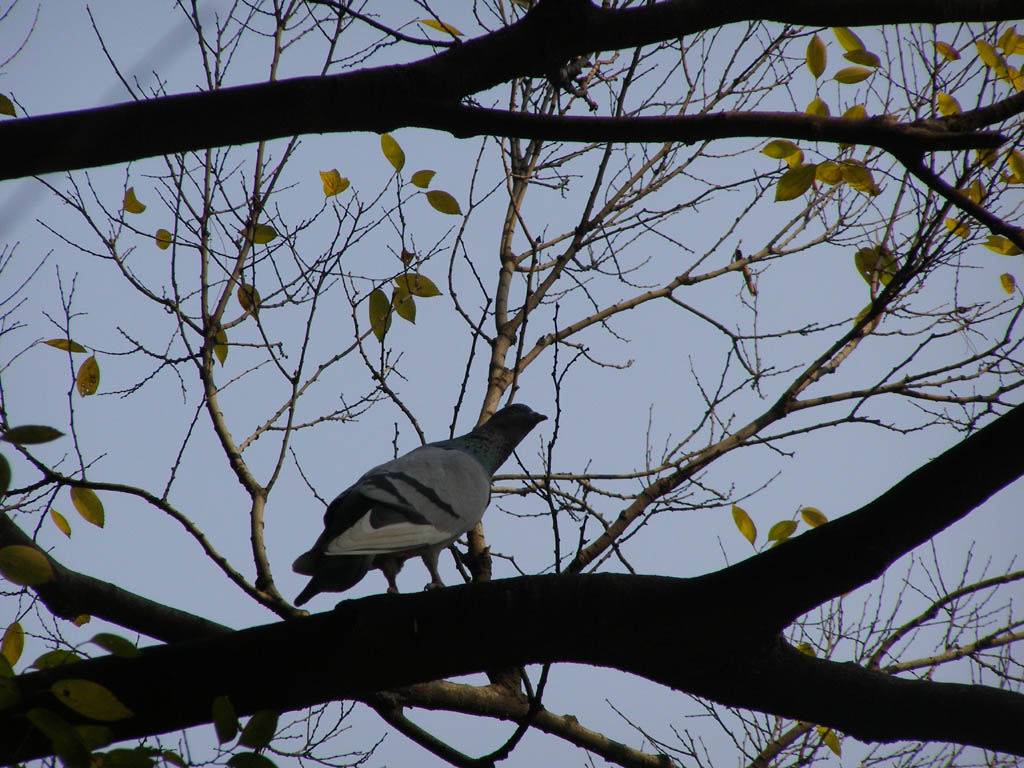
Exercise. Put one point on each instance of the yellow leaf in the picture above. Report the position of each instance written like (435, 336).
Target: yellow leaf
(866, 58)
(249, 298)
(828, 172)
(417, 285)
(380, 314)
(263, 233)
(90, 699)
(1016, 78)
(66, 345)
(947, 51)
(1015, 159)
(13, 643)
(818, 108)
(117, 645)
(31, 434)
(404, 304)
(407, 257)
(163, 239)
(7, 106)
(5, 475)
(1009, 41)
(876, 264)
(794, 183)
(782, 530)
(856, 112)
(440, 26)
(81, 619)
(64, 740)
(55, 659)
(948, 105)
(848, 39)
(88, 378)
(220, 348)
(987, 157)
(813, 516)
(1008, 283)
(392, 151)
(61, 522)
(779, 149)
(441, 201)
(976, 192)
(829, 739)
(797, 158)
(958, 228)
(131, 203)
(859, 177)
(1002, 245)
(24, 565)
(334, 182)
(744, 523)
(88, 505)
(422, 179)
(988, 55)
(816, 56)
(851, 75)
(806, 649)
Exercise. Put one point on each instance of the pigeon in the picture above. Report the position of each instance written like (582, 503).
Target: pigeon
(416, 504)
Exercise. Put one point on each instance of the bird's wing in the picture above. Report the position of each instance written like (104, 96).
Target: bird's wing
(385, 529)
(447, 488)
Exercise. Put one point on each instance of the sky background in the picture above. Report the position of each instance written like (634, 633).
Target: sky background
(133, 439)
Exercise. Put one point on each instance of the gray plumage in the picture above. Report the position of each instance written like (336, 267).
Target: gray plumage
(416, 504)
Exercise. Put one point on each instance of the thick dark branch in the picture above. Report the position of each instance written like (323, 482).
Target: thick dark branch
(72, 594)
(418, 93)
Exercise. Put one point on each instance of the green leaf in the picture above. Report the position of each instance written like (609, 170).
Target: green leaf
(334, 183)
(220, 349)
(25, 565)
(90, 699)
(851, 75)
(866, 58)
(66, 743)
(813, 516)
(61, 522)
(259, 730)
(88, 378)
(263, 233)
(250, 760)
(859, 177)
(249, 298)
(6, 670)
(13, 643)
(1008, 283)
(417, 285)
(5, 476)
(52, 659)
(392, 151)
(163, 239)
(794, 182)
(876, 264)
(404, 304)
(9, 694)
(123, 758)
(848, 39)
(422, 179)
(782, 530)
(131, 202)
(779, 149)
(94, 736)
(117, 645)
(31, 434)
(744, 523)
(65, 344)
(806, 649)
(380, 314)
(816, 56)
(441, 201)
(818, 108)
(88, 505)
(7, 106)
(225, 721)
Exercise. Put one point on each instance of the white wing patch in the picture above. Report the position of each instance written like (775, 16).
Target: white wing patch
(363, 539)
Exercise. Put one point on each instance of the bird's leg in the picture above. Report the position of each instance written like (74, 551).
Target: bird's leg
(390, 566)
(430, 560)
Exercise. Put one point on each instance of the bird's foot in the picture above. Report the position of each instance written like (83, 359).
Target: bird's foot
(436, 584)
